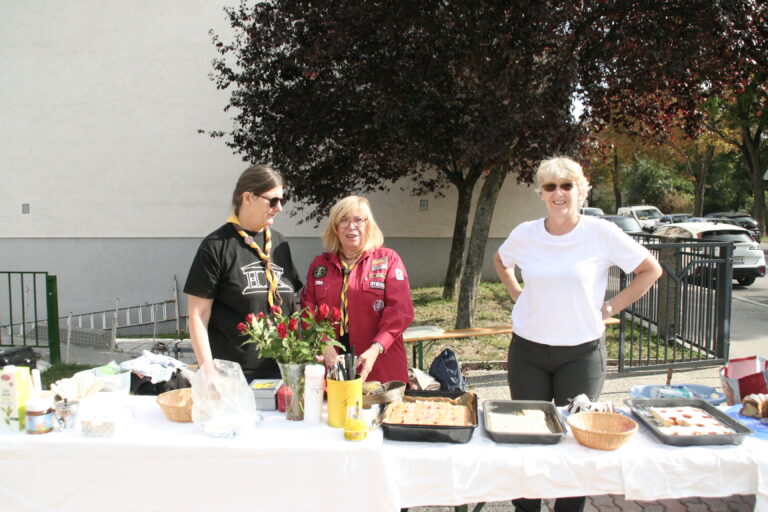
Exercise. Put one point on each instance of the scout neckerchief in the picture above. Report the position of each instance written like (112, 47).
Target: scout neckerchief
(345, 270)
(273, 298)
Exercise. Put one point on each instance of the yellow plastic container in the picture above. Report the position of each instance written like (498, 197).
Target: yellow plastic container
(342, 394)
(355, 429)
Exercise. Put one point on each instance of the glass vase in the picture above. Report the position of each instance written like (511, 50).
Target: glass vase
(293, 389)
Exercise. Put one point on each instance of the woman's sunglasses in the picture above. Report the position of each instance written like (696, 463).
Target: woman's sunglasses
(273, 201)
(551, 187)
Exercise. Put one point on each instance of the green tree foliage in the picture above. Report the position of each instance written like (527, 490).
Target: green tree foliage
(649, 181)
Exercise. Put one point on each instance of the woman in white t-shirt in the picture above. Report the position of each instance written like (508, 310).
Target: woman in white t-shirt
(557, 351)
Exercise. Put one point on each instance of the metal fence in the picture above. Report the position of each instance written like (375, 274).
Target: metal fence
(684, 319)
(27, 301)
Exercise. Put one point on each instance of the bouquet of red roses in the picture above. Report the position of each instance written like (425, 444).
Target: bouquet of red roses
(296, 338)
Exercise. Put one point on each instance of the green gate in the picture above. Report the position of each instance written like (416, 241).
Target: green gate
(29, 311)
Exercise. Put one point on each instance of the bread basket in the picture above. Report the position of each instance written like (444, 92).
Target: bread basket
(176, 404)
(602, 430)
(387, 392)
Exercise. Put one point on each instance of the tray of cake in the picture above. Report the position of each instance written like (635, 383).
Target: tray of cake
(432, 416)
(522, 421)
(687, 421)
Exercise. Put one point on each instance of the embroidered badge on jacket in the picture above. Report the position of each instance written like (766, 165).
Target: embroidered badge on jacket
(376, 284)
(319, 271)
(378, 305)
(377, 275)
(379, 264)
(399, 274)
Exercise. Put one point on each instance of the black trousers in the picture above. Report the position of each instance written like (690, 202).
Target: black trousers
(544, 372)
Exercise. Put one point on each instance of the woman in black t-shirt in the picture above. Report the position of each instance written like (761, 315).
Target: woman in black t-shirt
(242, 267)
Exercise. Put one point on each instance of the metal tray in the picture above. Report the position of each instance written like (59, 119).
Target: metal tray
(434, 433)
(640, 406)
(501, 407)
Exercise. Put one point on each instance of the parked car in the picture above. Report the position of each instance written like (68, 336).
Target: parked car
(748, 257)
(742, 219)
(644, 214)
(591, 210)
(627, 224)
(671, 218)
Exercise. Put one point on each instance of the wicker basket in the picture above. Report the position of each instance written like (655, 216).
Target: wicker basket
(176, 404)
(602, 430)
(384, 394)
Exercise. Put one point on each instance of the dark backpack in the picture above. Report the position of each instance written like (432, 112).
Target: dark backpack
(446, 369)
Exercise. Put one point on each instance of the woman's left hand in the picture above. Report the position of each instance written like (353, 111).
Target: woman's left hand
(366, 361)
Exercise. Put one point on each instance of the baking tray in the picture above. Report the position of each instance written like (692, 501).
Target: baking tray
(640, 406)
(434, 433)
(502, 407)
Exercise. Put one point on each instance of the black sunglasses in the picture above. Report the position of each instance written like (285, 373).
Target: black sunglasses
(551, 187)
(273, 201)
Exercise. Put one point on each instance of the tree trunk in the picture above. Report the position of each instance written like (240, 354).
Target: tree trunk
(481, 225)
(700, 181)
(615, 180)
(459, 242)
(750, 147)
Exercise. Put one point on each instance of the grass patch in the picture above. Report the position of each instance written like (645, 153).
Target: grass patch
(494, 307)
(60, 371)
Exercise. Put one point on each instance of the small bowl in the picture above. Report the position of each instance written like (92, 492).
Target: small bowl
(602, 430)
(176, 404)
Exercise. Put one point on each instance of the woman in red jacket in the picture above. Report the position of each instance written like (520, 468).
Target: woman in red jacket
(368, 283)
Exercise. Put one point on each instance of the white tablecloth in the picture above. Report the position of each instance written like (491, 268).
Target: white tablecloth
(157, 465)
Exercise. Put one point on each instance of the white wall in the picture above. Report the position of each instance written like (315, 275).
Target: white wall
(101, 102)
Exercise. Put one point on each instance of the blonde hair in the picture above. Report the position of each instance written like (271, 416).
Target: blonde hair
(373, 238)
(562, 169)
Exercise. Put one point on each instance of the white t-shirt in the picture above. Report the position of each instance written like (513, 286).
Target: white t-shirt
(565, 278)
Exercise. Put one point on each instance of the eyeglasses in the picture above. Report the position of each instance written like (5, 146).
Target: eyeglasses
(273, 201)
(346, 221)
(551, 187)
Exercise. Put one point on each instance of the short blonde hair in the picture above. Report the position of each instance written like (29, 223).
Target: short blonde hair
(562, 169)
(373, 238)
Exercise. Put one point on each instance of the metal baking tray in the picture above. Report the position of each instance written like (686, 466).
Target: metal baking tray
(434, 433)
(640, 406)
(502, 407)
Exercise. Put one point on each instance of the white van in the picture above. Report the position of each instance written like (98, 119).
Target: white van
(646, 215)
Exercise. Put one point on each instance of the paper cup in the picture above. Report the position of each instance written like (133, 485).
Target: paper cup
(343, 394)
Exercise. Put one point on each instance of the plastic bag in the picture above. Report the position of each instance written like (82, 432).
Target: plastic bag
(447, 370)
(223, 404)
(744, 376)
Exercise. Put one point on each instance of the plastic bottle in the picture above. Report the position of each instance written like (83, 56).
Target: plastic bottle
(313, 393)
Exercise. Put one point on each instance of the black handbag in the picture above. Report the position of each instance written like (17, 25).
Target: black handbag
(446, 369)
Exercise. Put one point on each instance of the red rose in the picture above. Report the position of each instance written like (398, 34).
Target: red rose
(322, 312)
(260, 316)
(293, 324)
(242, 327)
(282, 330)
(276, 309)
(249, 318)
(335, 314)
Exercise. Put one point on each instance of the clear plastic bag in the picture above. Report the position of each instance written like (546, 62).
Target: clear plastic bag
(223, 404)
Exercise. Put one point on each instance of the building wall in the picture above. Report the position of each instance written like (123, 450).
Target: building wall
(105, 180)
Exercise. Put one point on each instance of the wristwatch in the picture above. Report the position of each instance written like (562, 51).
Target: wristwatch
(608, 307)
(378, 346)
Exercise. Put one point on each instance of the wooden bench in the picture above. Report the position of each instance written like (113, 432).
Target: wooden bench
(418, 341)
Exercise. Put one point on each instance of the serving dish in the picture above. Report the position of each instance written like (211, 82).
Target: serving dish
(435, 433)
(640, 408)
(509, 407)
(707, 393)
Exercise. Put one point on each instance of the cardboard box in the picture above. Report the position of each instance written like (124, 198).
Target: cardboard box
(265, 392)
(14, 392)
